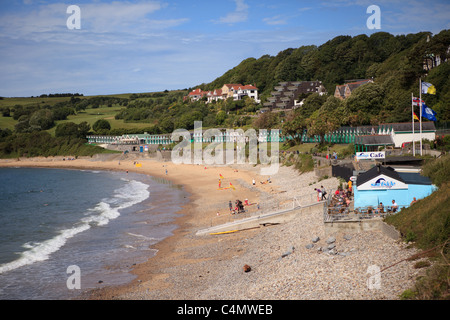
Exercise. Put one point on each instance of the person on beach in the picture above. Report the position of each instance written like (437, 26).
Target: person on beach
(230, 205)
(324, 193)
(319, 194)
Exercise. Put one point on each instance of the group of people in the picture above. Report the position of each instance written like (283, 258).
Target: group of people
(393, 208)
(340, 201)
(238, 206)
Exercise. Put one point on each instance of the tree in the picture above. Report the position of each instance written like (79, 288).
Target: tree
(166, 125)
(220, 117)
(101, 125)
(312, 103)
(294, 125)
(367, 98)
(266, 120)
(83, 129)
(325, 120)
(42, 120)
(66, 129)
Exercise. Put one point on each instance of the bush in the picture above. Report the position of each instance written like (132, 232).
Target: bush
(101, 125)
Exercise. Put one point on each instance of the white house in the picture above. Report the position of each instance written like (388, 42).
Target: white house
(402, 132)
(239, 92)
(235, 91)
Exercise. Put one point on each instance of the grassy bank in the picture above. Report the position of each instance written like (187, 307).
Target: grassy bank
(426, 224)
(42, 144)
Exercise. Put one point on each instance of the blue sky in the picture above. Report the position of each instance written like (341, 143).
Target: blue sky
(148, 45)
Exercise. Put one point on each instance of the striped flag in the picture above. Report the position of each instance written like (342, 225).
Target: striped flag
(415, 116)
(416, 102)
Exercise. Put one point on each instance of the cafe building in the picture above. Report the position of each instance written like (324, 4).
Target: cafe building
(384, 184)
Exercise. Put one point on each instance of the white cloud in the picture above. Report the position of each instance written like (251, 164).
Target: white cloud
(276, 20)
(240, 14)
(48, 22)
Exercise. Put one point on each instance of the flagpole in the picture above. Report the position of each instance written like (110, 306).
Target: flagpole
(420, 118)
(412, 115)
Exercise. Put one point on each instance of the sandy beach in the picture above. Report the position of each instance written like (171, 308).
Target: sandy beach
(283, 266)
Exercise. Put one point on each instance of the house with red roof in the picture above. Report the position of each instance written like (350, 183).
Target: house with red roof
(236, 91)
(344, 91)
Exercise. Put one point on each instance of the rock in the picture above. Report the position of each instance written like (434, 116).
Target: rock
(309, 246)
(347, 237)
(288, 252)
(247, 268)
(315, 239)
(332, 252)
(331, 246)
(331, 240)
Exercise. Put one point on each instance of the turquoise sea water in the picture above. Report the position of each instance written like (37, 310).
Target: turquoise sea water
(101, 222)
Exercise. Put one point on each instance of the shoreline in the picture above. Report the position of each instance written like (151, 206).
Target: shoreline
(187, 220)
(190, 267)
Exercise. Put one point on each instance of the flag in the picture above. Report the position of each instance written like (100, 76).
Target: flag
(416, 102)
(232, 187)
(428, 113)
(415, 116)
(428, 88)
(220, 175)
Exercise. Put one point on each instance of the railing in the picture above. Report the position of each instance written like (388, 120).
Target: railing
(224, 215)
(343, 213)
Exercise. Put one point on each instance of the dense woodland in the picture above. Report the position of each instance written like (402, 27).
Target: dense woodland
(394, 62)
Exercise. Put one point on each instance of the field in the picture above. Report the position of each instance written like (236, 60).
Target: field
(90, 115)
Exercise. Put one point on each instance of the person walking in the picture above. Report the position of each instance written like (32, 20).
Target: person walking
(324, 193)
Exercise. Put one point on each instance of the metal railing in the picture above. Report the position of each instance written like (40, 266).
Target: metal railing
(343, 213)
(272, 205)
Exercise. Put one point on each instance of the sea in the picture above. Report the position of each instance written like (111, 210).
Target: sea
(64, 232)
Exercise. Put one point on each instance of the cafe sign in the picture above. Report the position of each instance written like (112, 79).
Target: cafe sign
(383, 182)
(370, 155)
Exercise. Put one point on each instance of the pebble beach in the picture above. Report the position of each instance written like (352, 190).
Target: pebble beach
(297, 260)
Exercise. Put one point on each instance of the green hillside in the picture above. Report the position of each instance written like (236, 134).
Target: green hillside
(394, 62)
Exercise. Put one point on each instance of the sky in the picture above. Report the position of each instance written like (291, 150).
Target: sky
(139, 46)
